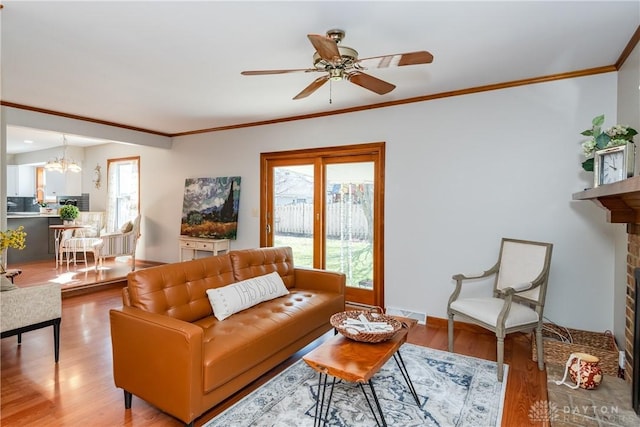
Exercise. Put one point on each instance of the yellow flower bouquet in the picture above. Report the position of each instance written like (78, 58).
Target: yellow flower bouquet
(11, 239)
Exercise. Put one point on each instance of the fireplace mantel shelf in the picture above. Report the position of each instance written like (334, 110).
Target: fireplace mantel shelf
(620, 199)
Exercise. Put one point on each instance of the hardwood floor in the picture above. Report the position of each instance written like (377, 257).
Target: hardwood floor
(79, 390)
(76, 278)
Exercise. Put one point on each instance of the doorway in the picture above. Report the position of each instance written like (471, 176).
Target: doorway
(327, 204)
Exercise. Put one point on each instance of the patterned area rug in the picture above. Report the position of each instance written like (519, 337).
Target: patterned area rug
(453, 390)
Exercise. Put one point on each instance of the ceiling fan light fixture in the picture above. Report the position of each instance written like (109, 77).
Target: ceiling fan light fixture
(348, 57)
(336, 74)
(339, 62)
(336, 34)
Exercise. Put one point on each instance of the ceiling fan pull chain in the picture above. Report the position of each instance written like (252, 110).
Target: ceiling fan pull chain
(330, 91)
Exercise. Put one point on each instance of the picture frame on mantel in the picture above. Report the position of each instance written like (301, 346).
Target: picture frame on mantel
(210, 207)
(613, 164)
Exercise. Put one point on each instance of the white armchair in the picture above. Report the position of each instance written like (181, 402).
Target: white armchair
(122, 243)
(30, 308)
(519, 292)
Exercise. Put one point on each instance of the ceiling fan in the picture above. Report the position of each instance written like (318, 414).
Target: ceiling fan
(341, 63)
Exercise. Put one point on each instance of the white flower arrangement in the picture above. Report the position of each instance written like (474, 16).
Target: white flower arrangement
(598, 140)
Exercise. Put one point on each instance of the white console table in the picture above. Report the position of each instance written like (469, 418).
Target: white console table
(195, 244)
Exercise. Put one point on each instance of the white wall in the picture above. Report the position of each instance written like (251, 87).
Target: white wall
(460, 173)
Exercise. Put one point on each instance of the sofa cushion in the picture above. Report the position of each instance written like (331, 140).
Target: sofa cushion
(179, 290)
(251, 336)
(230, 299)
(126, 227)
(248, 263)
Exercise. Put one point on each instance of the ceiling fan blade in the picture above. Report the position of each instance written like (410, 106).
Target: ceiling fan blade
(369, 82)
(264, 72)
(326, 48)
(315, 85)
(397, 60)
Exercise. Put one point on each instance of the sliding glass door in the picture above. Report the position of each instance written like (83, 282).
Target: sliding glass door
(349, 224)
(293, 211)
(327, 205)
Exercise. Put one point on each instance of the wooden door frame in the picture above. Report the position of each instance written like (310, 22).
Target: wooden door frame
(110, 163)
(315, 156)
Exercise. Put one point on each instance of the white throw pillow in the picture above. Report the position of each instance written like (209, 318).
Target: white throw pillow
(238, 296)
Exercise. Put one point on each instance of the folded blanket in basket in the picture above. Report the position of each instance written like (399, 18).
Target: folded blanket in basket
(363, 324)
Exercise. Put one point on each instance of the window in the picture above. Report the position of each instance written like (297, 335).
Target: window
(123, 190)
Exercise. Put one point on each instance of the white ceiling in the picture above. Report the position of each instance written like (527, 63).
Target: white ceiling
(174, 66)
(22, 140)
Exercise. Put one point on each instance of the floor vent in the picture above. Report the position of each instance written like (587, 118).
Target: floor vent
(420, 317)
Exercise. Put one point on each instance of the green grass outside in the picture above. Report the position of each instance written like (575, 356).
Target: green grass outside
(362, 263)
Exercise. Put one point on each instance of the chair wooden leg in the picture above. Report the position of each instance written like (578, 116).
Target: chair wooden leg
(19, 339)
(539, 344)
(450, 332)
(500, 354)
(127, 399)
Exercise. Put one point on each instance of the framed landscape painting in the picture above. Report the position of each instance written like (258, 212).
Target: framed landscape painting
(210, 207)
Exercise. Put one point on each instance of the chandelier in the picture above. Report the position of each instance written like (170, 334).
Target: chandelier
(63, 164)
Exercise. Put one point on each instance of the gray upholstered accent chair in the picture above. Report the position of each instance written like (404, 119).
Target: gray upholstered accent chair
(30, 308)
(519, 291)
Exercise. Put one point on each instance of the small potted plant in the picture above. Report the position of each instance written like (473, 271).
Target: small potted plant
(68, 214)
(44, 208)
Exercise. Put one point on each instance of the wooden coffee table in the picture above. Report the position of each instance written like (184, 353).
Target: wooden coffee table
(353, 361)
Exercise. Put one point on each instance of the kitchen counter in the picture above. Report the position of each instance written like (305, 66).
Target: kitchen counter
(39, 241)
(13, 215)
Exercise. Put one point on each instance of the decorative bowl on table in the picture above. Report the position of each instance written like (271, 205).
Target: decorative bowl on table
(365, 326)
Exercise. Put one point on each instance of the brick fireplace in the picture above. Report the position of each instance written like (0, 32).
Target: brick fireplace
(632, 314)
(622, 202)
(633, 262)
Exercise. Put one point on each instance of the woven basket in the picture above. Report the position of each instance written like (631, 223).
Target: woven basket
(373, 337)
(556, 352)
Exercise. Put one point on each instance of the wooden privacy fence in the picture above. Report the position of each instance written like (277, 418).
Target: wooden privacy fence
(346, 221)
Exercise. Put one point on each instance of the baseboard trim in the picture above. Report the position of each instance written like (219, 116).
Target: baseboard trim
(438, 322)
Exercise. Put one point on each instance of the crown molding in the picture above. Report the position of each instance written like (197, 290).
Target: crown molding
(422, 98)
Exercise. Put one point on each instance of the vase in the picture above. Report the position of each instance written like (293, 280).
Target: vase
(584, 371)
(68, 222)
(3, 260)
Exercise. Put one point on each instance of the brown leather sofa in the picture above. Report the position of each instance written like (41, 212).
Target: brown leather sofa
(169, 349)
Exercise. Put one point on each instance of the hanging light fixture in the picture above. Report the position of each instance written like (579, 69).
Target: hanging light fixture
(63, 164)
